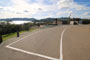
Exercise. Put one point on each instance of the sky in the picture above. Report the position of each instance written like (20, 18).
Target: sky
(44, 8)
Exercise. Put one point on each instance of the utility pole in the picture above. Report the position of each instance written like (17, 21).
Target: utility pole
(70, 15)
(69, 18)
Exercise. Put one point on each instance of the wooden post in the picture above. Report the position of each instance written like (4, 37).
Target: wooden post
(17, 31)
(0, 38)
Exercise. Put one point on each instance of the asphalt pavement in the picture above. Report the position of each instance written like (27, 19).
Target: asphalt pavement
(67, 42)
(76, 43)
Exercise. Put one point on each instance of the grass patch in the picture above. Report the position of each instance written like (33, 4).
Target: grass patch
(7, 36)
(32, 29)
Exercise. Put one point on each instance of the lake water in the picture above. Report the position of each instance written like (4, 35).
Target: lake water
(19, 22)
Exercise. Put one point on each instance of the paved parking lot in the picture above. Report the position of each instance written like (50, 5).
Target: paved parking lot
(76, 43)
(56, 43)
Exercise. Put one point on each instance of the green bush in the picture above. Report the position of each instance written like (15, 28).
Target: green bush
(6, 28)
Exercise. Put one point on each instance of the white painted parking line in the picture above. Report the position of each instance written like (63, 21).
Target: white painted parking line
(36, 54)
(61, 47)
(27, 52)
(31, 53)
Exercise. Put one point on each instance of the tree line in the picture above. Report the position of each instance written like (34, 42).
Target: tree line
(6, 28)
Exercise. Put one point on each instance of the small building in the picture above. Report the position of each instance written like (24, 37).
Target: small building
(61, 21)
(71, 22)
(75, 21)
(57, 21)
(65, 21)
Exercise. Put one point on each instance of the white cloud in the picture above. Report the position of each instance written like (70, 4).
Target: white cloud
(64, 12)
(38, 9)
(72, 7)
(65, 3)
(71, 4)
(86, 13)
(20, 6)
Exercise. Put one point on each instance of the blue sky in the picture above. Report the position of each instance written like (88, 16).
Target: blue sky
(83, 2)
(44, 8)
